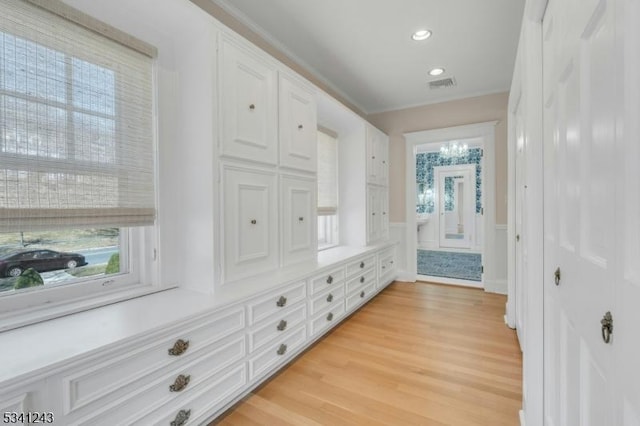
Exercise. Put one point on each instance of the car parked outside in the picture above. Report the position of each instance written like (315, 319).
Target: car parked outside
(15, 263)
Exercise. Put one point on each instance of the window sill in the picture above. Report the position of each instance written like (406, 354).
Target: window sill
(17, 319)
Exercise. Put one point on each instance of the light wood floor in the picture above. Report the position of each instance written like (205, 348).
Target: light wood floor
(417, 354)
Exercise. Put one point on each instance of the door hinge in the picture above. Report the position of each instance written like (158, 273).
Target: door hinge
(482, 211)
(482, 269)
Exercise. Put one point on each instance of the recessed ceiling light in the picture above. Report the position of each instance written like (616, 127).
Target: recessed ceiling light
(421, 35)
(436, 71)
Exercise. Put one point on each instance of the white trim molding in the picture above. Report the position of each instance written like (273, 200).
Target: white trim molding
(486, 131)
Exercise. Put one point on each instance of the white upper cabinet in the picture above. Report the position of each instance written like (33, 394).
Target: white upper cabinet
(248, 105)
(377, 213)
(298, 125)
(299, 220)
(377, 156)
(250, 222)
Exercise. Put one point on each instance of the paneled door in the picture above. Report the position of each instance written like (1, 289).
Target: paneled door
(591, 218)
(299, 219)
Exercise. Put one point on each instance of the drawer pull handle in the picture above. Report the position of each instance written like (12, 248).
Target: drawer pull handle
(282, 325)
(361, 279)
(253, 221)
(384, 267)
(329, 279)
(361, 265)
(330, 316)
(301, 219)
(181, 418)
(300, 127)
(330, 298)
(282, 349)
(252, 107)
(362, 294)
(281, 302)
(181, 382)
(391, 262)
(179, 347)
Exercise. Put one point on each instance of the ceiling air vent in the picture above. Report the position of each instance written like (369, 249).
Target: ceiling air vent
(445, 82)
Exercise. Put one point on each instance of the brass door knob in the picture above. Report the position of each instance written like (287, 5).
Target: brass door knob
(607, 327)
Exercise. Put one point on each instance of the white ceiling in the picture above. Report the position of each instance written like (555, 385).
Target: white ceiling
(363, 48)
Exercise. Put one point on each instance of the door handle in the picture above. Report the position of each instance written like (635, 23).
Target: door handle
(607, 327)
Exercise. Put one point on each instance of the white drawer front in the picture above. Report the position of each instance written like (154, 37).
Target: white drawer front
(327, 319)
(276, 326)
(277, 352)
(276, 301)
(327, 299)
(361, 280)
(100, 379)
(359, 297)
(326, 280)
(203, 402)
(360, 265)
(153, 396)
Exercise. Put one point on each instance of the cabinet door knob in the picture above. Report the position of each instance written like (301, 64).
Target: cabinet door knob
(361, 265)
(282, 325)
(362, 294)
(252, 107)
(253, 221)
(330, 316)
(329, 279)
(181, 418)
(361, 279)
(330, 298)
(300, 127)
(282, 349)
(373, 214)
(556, 276)
(179, 347)
(180, 383)
(384, 213)
(301, 218)
(281, 302)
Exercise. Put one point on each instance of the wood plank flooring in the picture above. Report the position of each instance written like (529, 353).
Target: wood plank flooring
(417, 354)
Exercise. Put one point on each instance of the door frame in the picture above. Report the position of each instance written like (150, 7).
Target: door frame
(487, 132)
(467, 170)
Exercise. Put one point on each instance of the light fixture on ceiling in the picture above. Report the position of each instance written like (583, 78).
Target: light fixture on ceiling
(421, 35)
(436, 71)
(453, 150)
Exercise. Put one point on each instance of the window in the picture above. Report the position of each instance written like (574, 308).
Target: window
(76, 148)
(327, 189)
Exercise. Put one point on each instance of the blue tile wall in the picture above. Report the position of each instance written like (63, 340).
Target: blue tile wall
(426, 161)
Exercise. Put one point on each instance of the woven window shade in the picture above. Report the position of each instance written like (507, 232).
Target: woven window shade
(76, 123)
(327, 174)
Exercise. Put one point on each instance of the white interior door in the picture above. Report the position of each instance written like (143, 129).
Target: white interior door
(520, 220)
(456, 205)
(589, 221)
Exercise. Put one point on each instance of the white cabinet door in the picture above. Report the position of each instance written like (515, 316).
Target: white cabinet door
(377, 147)
(248, 105)
(299, 220)
(383, 155)
(384, 215)
(298, 126)
(250, 222)
(374, 223)
(372, 152)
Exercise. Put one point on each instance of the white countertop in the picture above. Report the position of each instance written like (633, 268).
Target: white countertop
(30, 352)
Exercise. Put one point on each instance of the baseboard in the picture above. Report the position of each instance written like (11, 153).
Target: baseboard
(405, 277)
(522, 421)
(496, 286)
